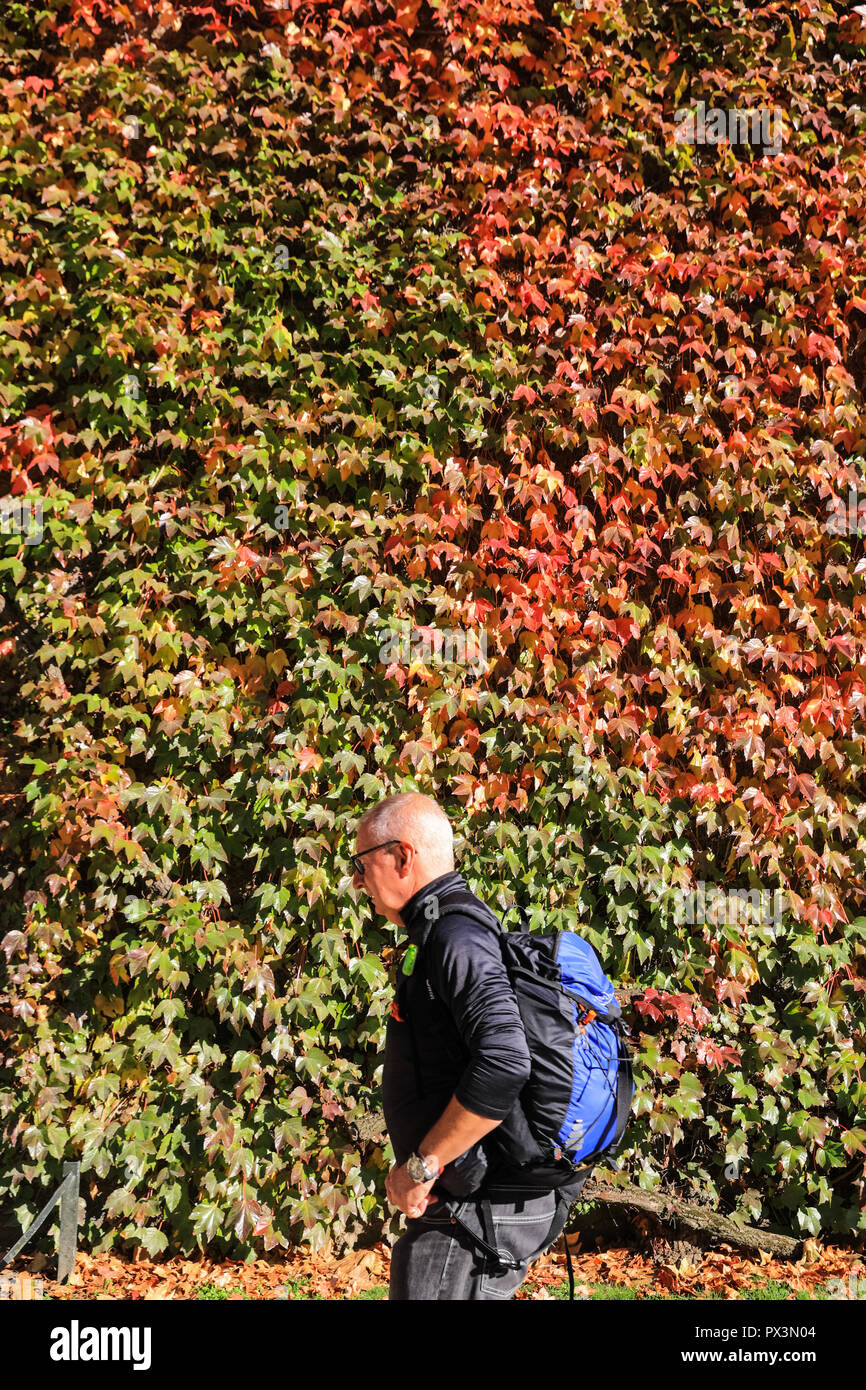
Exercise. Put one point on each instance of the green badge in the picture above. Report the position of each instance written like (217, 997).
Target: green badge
(409, 960)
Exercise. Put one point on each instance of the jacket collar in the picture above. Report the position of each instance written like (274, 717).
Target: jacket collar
(413, 912)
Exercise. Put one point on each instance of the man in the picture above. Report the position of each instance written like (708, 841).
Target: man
(455, 1064)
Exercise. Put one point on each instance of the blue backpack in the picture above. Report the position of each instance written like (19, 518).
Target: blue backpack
(578, 1097)
(575, 1106)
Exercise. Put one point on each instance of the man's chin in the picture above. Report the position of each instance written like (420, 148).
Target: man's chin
(391, 914)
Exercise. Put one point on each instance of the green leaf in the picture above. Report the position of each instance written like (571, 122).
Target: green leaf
(136, 909)
(153, 1240)
(207, 1220)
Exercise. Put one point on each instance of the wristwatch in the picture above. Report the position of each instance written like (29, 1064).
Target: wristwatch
(423, 1169)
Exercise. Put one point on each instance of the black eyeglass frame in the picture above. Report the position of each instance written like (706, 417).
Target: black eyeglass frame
(355, 858)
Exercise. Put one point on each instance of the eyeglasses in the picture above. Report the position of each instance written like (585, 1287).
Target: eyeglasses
(356, 858)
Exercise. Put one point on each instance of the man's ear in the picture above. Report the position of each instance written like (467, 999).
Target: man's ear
(407, 855)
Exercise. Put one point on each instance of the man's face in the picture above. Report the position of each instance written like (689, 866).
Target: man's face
(387, 875)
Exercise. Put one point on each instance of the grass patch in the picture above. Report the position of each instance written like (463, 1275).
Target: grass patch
(774, 1290)
(295, 1290)
(213, 1291)
(769, 1291)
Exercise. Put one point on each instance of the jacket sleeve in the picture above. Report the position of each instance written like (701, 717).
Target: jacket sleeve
(467, 972)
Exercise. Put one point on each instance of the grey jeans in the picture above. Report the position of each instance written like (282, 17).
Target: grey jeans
(435, 1259)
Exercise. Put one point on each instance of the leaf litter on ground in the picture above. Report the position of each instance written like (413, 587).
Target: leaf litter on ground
(300, 1274)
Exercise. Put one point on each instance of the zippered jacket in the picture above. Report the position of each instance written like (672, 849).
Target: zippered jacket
(455, 1030)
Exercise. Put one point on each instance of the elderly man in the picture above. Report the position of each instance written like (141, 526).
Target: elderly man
(456, 1060)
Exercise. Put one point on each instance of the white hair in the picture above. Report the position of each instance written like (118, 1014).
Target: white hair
(420, 820)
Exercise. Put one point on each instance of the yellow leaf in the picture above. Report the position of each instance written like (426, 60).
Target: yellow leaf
(112, 1007)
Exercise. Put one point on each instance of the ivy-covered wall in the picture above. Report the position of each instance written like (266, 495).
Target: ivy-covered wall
(418, 397)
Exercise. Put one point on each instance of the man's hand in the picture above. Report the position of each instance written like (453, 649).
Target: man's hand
(403, 1192)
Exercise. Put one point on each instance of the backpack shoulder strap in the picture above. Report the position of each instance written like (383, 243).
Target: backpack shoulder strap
(460, 903)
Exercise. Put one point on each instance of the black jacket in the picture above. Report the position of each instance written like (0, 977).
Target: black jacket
(459, 1033)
